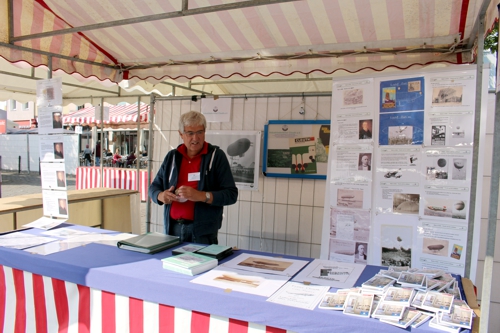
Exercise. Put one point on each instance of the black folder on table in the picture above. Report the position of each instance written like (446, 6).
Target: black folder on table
(151, 242)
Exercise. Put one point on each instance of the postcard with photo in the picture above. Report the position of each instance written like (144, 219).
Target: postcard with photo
(333, 301)
(389, 274)
(435, 301)
(398, 295)
(411, 280)
(424, 317)
(378, 282)
(410, 315)
(266, 264)
(434, 323)
(388, 311)
(418, 299)
(358, 304)
(459, 316)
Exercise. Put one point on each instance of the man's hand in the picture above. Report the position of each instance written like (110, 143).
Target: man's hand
(190, 193)
(167, 196)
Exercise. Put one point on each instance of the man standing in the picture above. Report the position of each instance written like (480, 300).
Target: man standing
(193, 183)
(98, 153)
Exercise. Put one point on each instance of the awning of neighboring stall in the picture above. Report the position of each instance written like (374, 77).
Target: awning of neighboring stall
(119, 116)
(238, 39)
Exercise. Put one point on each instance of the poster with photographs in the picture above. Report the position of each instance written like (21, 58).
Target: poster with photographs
(354, 119)
(350, 224)
(442, 246)
(296, 148)
(242, 149)
(55, 203)
(52, 148)
(53, 176)
(49, 92)
(401, 128)
(448, 165)
(50, 120)
(406, 94)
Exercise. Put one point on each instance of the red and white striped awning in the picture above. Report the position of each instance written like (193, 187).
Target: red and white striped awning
(118, 115)
(159, 39)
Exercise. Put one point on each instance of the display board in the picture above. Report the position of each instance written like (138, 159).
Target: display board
(399, 181)
(296, 148)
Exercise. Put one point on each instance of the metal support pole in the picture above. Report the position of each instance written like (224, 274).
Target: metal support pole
(100, 144)
(137, 146)
(150, 150)
(475, 151)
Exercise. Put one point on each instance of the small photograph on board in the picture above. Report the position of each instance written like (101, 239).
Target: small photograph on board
(435, 246)
(57, 120)
(388, 97)
(438, 169)
(58, 151)
(449, 208)
(349, 198)
(303, 151)
(353, 97)
(458, 171)
(63, 206)
(365, 161)
(360, 253)
(365, 129)
(397, 242)
(447, 96)
(438, 135)
(414, 86)
(61, 179)
(400, 135)
(457, 251)
(405, 203)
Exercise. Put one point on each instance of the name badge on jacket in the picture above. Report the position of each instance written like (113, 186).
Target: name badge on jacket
(193, 176)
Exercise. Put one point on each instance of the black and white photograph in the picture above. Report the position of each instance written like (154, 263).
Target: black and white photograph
(406, 203)
(361, 252)
(353, 97)
(438, 135)
(459, 170)
(396, 245)
(446, 208)
(242, 149)
(400, 135)
(349, 198)
(447, 96)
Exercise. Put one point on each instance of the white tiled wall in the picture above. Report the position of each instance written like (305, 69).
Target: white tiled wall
(285, 215)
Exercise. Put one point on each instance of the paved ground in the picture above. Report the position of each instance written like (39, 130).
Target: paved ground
(14, 184)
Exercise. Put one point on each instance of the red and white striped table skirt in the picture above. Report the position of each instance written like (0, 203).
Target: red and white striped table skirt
(90, 177)
(34, 303)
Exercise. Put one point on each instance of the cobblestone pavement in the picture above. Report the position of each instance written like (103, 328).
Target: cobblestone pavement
(14, 184)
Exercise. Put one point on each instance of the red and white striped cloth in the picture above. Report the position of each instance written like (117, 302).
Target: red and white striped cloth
(34, 303)
(90, 177)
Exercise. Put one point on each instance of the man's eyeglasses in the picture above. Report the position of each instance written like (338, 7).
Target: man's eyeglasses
(191, 134)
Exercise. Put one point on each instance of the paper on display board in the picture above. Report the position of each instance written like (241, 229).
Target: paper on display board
(50, 120)
(52, 148)
(53, 176)
(450, 106)
(353, 121)
(49, 92)
(330, 273)
(299, 295)
(55, 203)
(216, 110)
(398, 180)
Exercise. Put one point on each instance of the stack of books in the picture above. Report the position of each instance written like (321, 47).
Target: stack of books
(189, 263)
(218, 252)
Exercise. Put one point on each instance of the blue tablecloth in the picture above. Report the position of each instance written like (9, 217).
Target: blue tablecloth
(141, 276)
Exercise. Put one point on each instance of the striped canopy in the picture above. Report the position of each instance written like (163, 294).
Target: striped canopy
(119, 115)
(182, 40)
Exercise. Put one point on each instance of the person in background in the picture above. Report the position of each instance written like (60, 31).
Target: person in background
(86, 155)
(130, 159)
(109, 153)
(194, 183)
(98, 153)
(117, 158)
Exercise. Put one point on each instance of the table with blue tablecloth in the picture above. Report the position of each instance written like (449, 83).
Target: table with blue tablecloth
(101, 288)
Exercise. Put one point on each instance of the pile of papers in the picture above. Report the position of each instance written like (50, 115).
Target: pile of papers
(189, 263)
(406, 297)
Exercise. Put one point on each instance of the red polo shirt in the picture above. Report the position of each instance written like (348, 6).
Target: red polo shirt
(185, 210)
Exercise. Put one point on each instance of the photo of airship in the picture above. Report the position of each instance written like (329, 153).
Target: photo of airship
(242, 166)
(435, 247)
(437, 208)
(238, 148)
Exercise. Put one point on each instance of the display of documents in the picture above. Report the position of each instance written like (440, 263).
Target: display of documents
(187, 248)
(409, 316)
(189, 263)
(21, 240)
(151, 242)
(299, 295)
(45, 223)
(330, 273)
(230, 279)
(336, 301)
(266, 264)
(216, 251)
(358, 304)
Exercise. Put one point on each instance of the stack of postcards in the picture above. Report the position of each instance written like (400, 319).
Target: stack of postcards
(405, 297)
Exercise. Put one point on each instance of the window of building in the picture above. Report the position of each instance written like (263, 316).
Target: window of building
(26, 106)
(79, 107)
(13, 105)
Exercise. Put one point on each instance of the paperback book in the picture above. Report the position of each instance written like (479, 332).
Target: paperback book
(388, 311)
(189, 263)
(187, 248)
(358, 304)
(410, 315)
(216, 251)
(151, 242)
